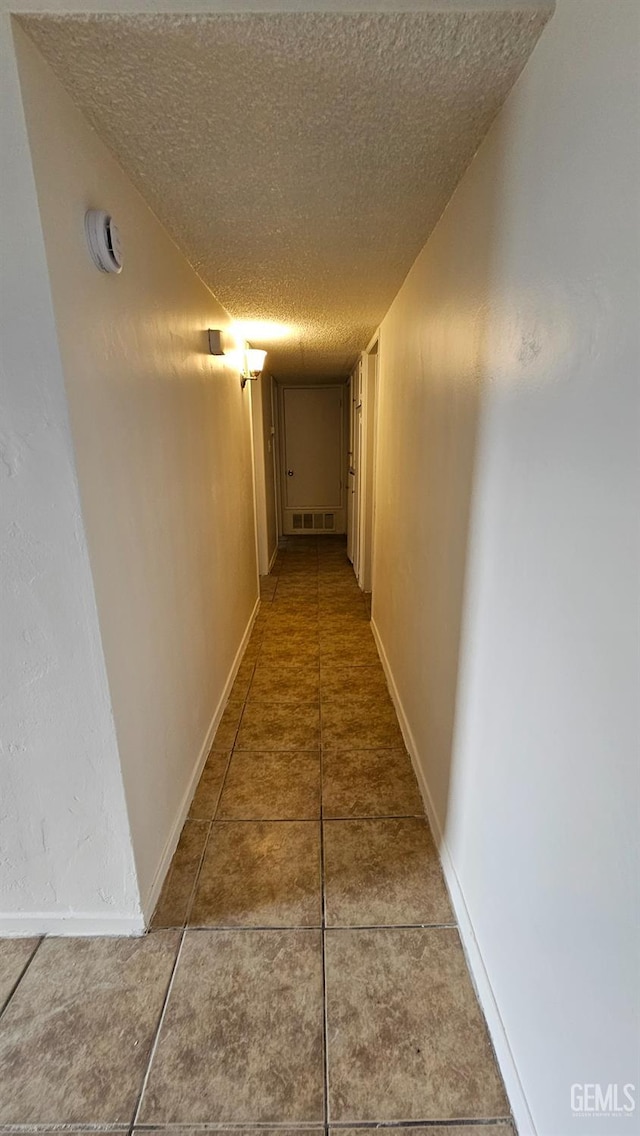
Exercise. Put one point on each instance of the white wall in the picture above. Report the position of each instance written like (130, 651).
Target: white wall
(65, 856)
(162, 436)
(506, 586)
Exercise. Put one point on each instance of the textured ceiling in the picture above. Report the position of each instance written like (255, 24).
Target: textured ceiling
(299, 160)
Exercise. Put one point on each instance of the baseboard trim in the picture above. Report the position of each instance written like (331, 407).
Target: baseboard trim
(151, 898)
(478, 971)
(32, 923)
(273, 558)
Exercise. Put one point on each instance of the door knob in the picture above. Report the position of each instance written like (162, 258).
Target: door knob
(289, 473)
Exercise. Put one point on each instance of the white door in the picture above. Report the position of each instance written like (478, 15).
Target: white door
(313, 459)
(355, 459)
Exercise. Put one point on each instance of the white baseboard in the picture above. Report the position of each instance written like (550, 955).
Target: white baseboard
(480, 978)
(34, 923)
(150, 900)
(273, 557)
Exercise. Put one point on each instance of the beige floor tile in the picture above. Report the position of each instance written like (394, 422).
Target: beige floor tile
(348, 617)
(207, 795)
(369, 783)
(252, 650)
(287, 624)
(360, 723)
(308, 564)
(333, 607)
(279, 726)
(279, 649)
(299, 639)
(260, 874)
(294, 601)
(354, 634)
(177, 892)
(226, 732)
(241, 1040)
(282, 609)
(14, 956)
(282, 682)
(242, 681)
(334, 592)
(175, 1130)
(77, 1034)
(406, 1037)
(306, 582)
(272, 785)
(383, 872)
(338, 682)
(503, 1128)
(334, 572)
(358, 650)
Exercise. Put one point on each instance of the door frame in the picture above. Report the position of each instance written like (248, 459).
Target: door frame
(364, 387)
(282, 464)
(370, 392)
(356, 450)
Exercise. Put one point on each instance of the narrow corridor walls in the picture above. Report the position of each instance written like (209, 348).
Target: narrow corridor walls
(162, 437)
(506, 578)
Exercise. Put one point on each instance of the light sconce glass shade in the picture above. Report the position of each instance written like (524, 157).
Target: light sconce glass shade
(253, 363)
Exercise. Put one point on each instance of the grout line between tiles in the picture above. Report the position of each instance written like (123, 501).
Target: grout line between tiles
(156, 1036)
(18, 980)
(465, 1122)
(505, 1122)
(340, 927)
(192, 893)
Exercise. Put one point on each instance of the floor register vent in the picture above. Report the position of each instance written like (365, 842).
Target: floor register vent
(322, 522)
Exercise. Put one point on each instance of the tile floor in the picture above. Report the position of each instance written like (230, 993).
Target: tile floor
(303, 969)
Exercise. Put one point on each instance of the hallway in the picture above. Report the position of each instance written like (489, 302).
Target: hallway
(317, 920)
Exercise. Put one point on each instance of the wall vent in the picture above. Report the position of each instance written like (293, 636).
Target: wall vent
(320, 522)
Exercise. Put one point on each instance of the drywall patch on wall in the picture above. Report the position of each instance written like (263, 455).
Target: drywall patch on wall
(162, 437)
(66, 850)
(507, 584)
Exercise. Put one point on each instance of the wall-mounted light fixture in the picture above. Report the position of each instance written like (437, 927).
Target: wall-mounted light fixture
(252, 357)
(215, 341)
(253, 363)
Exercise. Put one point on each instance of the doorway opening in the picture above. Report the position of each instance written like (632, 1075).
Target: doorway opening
(312, 449)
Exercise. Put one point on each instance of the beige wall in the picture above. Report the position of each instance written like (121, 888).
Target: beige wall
(66, 864)
(506, 581)
(162, 438)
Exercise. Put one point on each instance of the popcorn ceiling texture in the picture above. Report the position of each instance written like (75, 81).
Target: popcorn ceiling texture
(299, 161)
